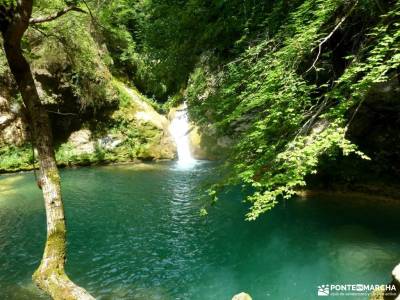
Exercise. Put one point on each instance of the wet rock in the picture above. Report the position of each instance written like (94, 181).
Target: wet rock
(158, 146)
(396, 274)
(195, 139)
(205, 144)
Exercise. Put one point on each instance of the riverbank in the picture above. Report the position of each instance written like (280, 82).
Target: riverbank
(374, 192)
(85, 163)
(129, 132)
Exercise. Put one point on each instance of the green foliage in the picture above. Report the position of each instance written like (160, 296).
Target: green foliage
(14, 158)
(125, 99)
(158, 43)
(376, 62)
(69, 49)
(282, 120)
(8, 3)
(120, 26)
(203, 212)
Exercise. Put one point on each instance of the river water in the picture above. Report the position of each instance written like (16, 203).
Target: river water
(135, 232)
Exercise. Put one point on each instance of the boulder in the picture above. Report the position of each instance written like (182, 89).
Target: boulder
(82, 143)
(396, 276)
(4, 106)
(157, 144)
(206, 144)
(153, 127)
(196, 148)
(110, 141)
(5, 119)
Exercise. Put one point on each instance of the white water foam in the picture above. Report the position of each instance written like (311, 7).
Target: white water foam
(179, 130)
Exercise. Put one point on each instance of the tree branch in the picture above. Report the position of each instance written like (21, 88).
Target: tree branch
(325, 39)
(94, 20)
(61, 113)
(55, 15)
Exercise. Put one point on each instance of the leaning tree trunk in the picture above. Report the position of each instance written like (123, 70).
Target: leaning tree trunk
(50, 276)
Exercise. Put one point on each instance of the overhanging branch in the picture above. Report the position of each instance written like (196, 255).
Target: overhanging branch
(55, 15)
(325, 39)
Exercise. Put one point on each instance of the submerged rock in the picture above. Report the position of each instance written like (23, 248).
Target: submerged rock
(396, 280)
(380, 294)
(396, 274)
(242, 296)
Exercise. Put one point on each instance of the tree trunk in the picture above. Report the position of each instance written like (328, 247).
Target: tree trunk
(50, 276)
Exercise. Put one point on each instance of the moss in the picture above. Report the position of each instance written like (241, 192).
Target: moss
(123, 96)
(54, 254)
(141, 140)
(53, 176)
(126, 94)
(174, 101)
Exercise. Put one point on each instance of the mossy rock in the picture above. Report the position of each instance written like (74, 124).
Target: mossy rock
(206, 144)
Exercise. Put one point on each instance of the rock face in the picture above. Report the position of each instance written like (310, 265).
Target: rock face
(110, 141)
(12, 127)
(153, 128)
(375, 127)
(242, 296)
(142, 133)
(128, 132)
(206, 144)
(145, 113)
(81, 142)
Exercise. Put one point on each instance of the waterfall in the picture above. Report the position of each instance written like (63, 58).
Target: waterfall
(179, 130)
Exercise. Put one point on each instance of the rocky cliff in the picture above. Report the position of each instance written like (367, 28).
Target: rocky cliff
(130, 131)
